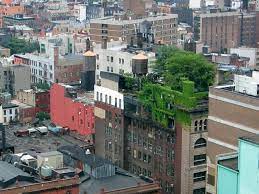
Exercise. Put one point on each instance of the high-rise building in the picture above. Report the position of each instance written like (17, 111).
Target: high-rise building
(233, 113)
(163, 28)
(225, 30)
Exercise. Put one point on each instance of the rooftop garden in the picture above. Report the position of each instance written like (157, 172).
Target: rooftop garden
(180, 81)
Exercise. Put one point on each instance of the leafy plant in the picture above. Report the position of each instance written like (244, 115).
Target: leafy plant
(174, 64)
(18, 46)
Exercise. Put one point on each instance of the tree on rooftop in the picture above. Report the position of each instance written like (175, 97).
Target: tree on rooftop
(42, 116)
(43, 86)
(174, 64)
(18, 46)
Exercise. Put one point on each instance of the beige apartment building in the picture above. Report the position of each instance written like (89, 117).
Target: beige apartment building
(163, 27)
(225, 30)
(233, 113)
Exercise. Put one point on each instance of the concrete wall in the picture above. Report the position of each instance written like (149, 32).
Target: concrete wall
(99, 90)
(26, 96)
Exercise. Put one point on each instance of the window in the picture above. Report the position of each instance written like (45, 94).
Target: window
(97, 96)
(119, 103)
(69, 192)
(110, 100)
(122, 61)
(111, 59)
(199, 176)
(11, 111)
(199, 191)
(139, 155)
(145, 142)
(211, 180)
(106, 98)
(81, 121)
(4, 119)
(115, 102)
(196, 126)
(106, 145)
(111, 69)
(101, 97)
(199, 159)
(169, 170)
(145, 157)
(200, 143)
(4, 112)
(73, 118)
(168, 187)
(134, 153)
(108, 58)
(149, 159)
(108, 68)
(119, 60)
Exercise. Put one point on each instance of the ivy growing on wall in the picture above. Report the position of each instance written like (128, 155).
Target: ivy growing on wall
(168, 105)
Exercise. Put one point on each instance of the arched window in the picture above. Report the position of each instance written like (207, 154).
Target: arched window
(200, 143)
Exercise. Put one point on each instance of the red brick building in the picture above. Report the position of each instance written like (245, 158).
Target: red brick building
(62, 186)
(40, 99)
(71, 109)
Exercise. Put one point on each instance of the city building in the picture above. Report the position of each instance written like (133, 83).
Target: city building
(69, 28)
(42, 68)
(8, 8)
(139, 7)
(5, 52)
(99, 10)
(230, 29)
(37, 98)
(185, 15)
(103, 176)
(238, 172)
(18, 19)
(14, 77)
(225, 127)
(22, 177)
(159, 144)
(26, 113)
(118, 58)
(71, 109)
(161, 28)
(251, 53)
(80, 12)
(52, 67)
(9, 113)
